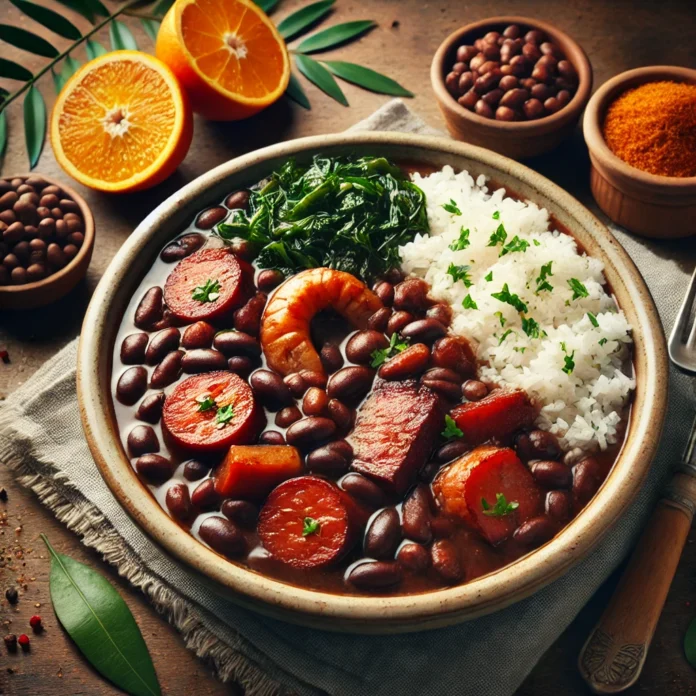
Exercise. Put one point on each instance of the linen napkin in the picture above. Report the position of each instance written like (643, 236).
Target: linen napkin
(41, 439)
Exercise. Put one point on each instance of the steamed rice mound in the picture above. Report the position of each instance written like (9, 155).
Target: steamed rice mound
(573, 369)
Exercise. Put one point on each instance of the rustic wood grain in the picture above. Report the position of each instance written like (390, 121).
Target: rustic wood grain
(617, 36)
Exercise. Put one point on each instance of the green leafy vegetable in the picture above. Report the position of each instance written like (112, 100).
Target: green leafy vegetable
(469, 303)
(333, 36)
(344, 213)
(530, 327)
(496, 215)
(381, 355)
(452, 207)
(515, 244)
(310, 526)
(568, 362)
(501, 507)
(224, 415)
(321, 77)
(498, 237)
(451, 430)
(99, 621)
(34, 124)
(489, 277)
(542, 283)
(463, 241)
(501, 317)
(298, 21)
(593, 320)
(602, 341)
(208, 292)
(367, 78)
(460, 273)
(579, 290)
(506, 296)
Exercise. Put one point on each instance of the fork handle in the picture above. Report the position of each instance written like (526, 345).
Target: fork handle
(613, 656)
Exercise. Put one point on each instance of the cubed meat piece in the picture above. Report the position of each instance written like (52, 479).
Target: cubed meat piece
(498, 415)
(395, 430)
(490, 490)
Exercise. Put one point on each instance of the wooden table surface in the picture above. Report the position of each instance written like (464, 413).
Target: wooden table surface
(616, 35)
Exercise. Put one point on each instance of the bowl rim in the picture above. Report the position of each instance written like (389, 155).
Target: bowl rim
(378, 614)
(85, 249)
(561, 117)
(627, 174)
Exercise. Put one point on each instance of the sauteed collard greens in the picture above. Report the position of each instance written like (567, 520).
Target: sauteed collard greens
(332, 213)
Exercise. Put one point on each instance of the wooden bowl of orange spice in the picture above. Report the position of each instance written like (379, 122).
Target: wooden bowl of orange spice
(640, 129)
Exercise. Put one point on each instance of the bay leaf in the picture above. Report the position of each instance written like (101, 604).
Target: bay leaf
(99, 621)
(367, 78)
(34, 124)
(333, 36)
(297, 93)
(321, 77)
(301, 20)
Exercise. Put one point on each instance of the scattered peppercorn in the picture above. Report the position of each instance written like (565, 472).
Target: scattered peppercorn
(653, 128)
(35, 623)
(11, 595)
(24, 641)
(11, 642)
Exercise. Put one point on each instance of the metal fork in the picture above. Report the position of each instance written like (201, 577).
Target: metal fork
(613, 656)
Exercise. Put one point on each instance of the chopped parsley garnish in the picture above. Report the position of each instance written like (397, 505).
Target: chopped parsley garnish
(205, 402)
(501, 507)
(451, 207)
(224, 415)
(579, 290)
(509, 298)
(505, 335)
(468, 303)
(542, 283)
(460, 273)
(593, 320)
(519, 350)
(515, 244)
(496, 215)
(498, 237)
(451, 430)
(502, 319)
(489, 277)
(568, 362)
(462, 242)
(536, 242)
(208, 292)
(530, 327)
(381, 355)
(602, 341)
(310, 526)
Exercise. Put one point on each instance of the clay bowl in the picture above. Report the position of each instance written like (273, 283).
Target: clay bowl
(516, 139)
(353, 613)
(649, 205)
(58, 284)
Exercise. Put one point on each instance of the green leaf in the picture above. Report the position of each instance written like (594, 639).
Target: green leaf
(366, 78)
(267, 5)
(333, 36)
(121, 37)
(3, 133)
(297, 93)
(99, 621)
(87, 8)
(310, 526)
(451, 430)
(70, 67)
(49, 19)
(94, 49)
(321, 77)
(58, 81)
(34, 124)
(151, 27)
(14, 71)
(162, 7)
(27, 41)
(298, 21)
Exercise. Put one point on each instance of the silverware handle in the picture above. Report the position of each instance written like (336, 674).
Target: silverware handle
(613, 656)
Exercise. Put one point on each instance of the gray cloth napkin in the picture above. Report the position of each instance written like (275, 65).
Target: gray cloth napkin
(41, 439)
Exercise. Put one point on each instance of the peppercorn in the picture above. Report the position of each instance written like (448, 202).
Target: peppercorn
(24, 641)
(11, 595)
(11, 642)
(35, 623)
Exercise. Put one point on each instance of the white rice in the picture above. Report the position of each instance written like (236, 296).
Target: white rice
(581, 407)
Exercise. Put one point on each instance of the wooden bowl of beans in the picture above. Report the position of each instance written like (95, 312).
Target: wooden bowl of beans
(46, 240)
(511, 84)
(640, 129)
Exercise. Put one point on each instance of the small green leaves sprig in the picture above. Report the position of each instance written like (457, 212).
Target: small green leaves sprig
(323, 73)
(381, 355)
(451, 430)
(310, 526)
(208, 292)
(501, 508)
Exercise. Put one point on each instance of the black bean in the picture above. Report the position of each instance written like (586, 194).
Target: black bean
(385, 292)
(586, 479)
(237, 343)
(296, 384)
(237, 200)
(195, 470)
(168, 371)
(222, 536)
(350, 384)
(198, 335)
(155, 468)
(535, 531)
(378, 321)
(411, 294)
(416, 515)
(559, 505)
(363, 489)
(413, 558)
(287, 416)
(150, 308)
(205, 497)
(240, 365)
(440, 312)
(131, 385)
(538, 444)
(445, 561)
(210, 217)
(133, 349)
(150, 409)
(331, 358)
(315, 402)
(182, 247)
(269, 279)
(142, 440)
(443, 374)
(270, 390)
(397, 321)
(383, 535)
(271, 437)
(178, 502)
(310, 432)
(448, 390)
(473, 390)
(242, 512)
(375, 575)
(362, 344)
(341, 414)
(452, 450)
(247, 319)
(161, 343)
(551, 474)
(203, 360)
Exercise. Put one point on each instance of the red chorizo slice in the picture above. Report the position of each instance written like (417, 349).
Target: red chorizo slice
(498, 415)
(395, 430)
(308, 522)
(211, 412)
(482, 475)
(206, 285)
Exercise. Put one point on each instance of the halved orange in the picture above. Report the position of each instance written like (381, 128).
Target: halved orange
(227, 54)
(121, 123)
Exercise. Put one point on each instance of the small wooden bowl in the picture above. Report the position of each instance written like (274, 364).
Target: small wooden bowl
(515, 139)
(60, 283)
(661, 207)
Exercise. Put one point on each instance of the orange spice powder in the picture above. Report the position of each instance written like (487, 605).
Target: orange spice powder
(653, 128)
